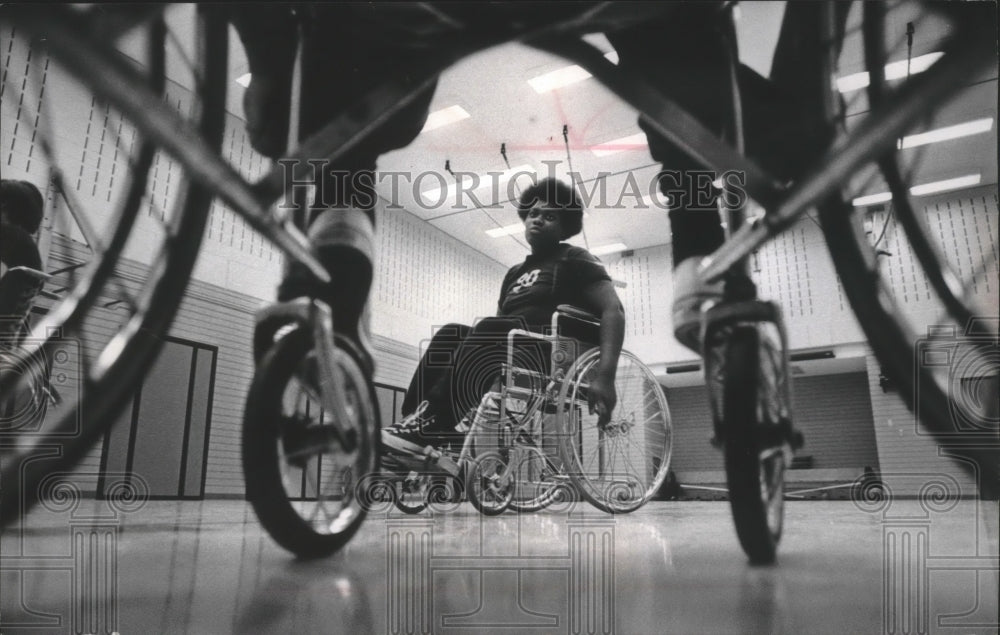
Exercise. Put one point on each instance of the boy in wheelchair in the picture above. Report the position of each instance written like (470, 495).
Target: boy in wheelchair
(684, 50)
(21, 211)
(461, 363)
(21, 280)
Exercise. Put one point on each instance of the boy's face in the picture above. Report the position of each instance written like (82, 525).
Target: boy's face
(543, 225)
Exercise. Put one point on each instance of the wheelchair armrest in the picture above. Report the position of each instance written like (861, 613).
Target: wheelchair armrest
(578, 314)
(574, 322)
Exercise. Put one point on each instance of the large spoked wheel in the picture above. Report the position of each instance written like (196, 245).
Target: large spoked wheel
(756, 450)
(619, 467)
(940, 349)
(120, 251)
(302, 483)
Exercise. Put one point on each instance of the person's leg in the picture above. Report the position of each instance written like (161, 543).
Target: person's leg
(685, 56)
(435, 364)
(479, 362)
(338, 65)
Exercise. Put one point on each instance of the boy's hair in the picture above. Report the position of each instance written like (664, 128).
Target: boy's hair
(21, 204)
(557, 194)
(17, 249)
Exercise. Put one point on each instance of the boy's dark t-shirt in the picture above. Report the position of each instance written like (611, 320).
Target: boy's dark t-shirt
(533, 289)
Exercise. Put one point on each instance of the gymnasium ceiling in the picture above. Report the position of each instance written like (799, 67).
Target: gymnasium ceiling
(493, 88)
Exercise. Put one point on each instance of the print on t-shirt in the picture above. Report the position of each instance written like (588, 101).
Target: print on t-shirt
(533, 289)
(526, 280)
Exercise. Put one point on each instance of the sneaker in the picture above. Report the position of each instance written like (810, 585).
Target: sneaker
(691, 298)
(410, 444)
(412, 427)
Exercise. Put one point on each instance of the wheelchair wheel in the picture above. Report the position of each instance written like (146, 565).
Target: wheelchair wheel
(617, 468)
(936, 348)
(411, 494)
(121, 252)
(489, 489)
(300, 481)
(756, 452)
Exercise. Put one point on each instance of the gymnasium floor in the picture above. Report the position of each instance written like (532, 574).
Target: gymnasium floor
(671, 567)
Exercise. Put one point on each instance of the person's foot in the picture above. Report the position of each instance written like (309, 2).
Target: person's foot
(343, 241)
(413, 444)
(691, 296)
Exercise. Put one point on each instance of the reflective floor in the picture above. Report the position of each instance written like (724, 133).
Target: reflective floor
(671, 567)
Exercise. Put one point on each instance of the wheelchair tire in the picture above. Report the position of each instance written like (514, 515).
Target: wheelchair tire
(963, 326)
(291, 500)
(754, 468)
(619, 468)
(112, 362)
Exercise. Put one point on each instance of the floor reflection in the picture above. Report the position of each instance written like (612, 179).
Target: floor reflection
(676, 567)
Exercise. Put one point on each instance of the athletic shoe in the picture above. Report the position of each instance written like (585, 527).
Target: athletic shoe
(691, 297)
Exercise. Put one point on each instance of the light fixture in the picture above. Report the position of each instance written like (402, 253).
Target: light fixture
(893, 70)
(969, 180)
(967, 129)
(444, 117)
(631, 142)
(565, 76)
(506, 230)
(871, 199)
(244, 79)
(612, 248)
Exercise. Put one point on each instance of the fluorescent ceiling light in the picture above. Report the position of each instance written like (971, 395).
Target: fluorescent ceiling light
(967, 129)
(894, 70)
(445, 116)
(244, 79)
(872, 199)
(604, 250)
(968, 180)
(565, 76)
(924, 189)
(506, 230)
(632, 142)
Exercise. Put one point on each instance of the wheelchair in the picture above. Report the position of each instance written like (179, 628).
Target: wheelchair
(24, 407)
(532, 441)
